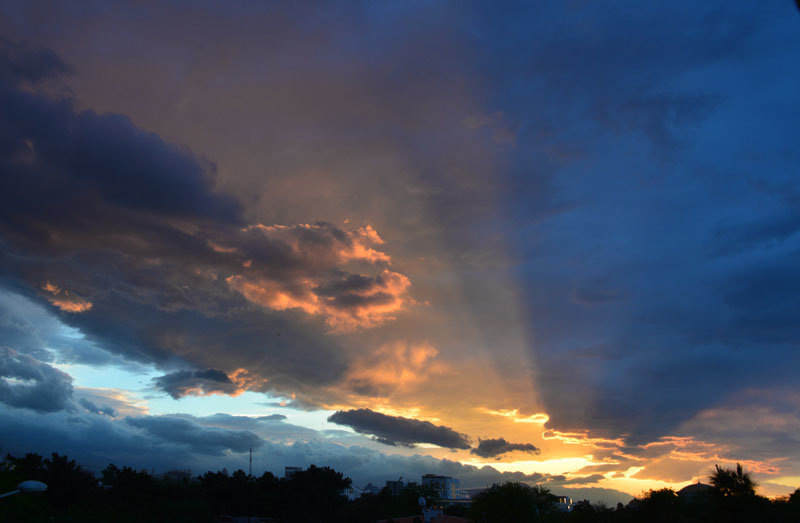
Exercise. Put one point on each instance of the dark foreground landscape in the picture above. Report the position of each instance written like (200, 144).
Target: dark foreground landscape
(315, 495)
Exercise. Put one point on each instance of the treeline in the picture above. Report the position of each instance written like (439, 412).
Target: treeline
(730, 498)
(128, 495)
(315, 495)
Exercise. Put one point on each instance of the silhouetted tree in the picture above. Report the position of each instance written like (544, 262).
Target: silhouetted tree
(736, 497)
(268, 494)
(31, 466)
(661, 505)
(512, 501)
(733, 482)
(314, 494)
(68, 483)
(789, 507)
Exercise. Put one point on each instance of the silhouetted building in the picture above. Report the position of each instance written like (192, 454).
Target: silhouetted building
(245, 519)
(690, 491)
(371, 489)
(446, 486)
(395, 487)
(438, 518)
(177, 476)
(352, 493)
(288, 472)
(564, 504)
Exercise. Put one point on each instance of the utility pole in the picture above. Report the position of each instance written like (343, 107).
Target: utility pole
(251, 461)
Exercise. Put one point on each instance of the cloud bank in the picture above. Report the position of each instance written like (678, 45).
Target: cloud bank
(494, 448)
(397, 430)
(128, 240)
(30, 383)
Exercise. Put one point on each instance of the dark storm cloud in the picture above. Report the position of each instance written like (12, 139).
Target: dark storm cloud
(210, 381)
(22, 61)
(97, 440)
(273, 427)
(200, 439)
(593, 96)
(596, 296)
(96, 191)
(702, 248)
(396, 430)
(766, 233)
(29, 383)
(762, 297)
(31, 329)
(493, 448)
(55, 158)
(258, 424)
(153, 263)
(91, 407)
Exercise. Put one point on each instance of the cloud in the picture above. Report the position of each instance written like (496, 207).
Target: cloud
(91, 407)
(272, 427)
(96, 440)
(33, 329)
(393, 366)
(203, 383)
(29, 62)
(258, 424)
(493, 448)
(596, 296)
(65, 300)
(110, 402)
(396, 430)
(205, 440)
(273, 417)
(127, 238)
(578, 200)
(292, 404)
(514, 415)
(29, 383)
(313, 278)
(764, 233)
(502, 133)
(583, 480)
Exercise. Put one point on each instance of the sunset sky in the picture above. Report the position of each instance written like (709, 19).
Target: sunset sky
(554, 242)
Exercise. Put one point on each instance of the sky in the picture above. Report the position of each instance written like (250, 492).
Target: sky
(550, 242)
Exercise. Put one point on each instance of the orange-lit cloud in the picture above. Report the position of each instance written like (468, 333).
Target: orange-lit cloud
(331, 272)
(393, 366)
(349, 246)
(244, 381)
(123, 402)
(514, 415)
(364, 308)
(64, 299)
(274, 295)
(680, 442)
(216, 247)
(208, 382)
(583, 438)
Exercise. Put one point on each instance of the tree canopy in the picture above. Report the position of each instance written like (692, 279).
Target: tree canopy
(512, 501)
(733, 482)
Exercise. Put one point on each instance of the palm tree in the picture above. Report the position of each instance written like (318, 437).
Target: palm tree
(730, 482)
